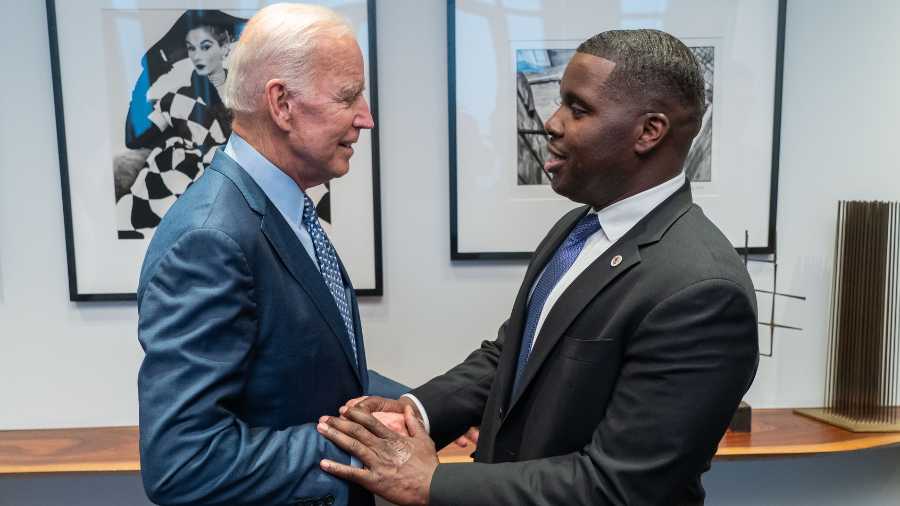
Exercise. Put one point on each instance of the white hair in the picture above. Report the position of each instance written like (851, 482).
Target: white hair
(278, 43)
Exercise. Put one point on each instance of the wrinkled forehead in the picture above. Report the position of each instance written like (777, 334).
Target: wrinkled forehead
(338, 57)
(337, 67)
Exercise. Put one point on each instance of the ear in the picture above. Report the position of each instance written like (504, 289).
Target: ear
(278, 105)
(653, 128)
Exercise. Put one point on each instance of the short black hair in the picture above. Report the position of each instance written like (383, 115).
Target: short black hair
(651, 64)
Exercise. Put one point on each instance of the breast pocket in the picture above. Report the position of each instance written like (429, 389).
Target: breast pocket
(595, 350)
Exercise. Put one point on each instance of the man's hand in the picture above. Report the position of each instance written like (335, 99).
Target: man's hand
(393, 421)
(397, 467)
(469, 438)
(387, 411)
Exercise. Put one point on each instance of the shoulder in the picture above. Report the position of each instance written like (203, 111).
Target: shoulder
(212, 213)
(694, 252)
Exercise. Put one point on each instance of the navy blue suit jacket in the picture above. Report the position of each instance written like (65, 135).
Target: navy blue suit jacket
(245, 350)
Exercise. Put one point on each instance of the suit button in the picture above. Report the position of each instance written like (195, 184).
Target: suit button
(500, 414)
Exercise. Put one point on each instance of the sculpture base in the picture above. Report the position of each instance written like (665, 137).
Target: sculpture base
(852, 425)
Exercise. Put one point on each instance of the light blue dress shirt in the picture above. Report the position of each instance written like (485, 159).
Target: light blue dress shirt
(278, 187)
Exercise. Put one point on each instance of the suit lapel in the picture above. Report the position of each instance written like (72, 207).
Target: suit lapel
(302, 268)
(595, 278)
(542, 255)
(290, 251)
(362, 367)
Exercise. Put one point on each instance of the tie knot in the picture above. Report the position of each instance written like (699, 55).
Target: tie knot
(586, 226)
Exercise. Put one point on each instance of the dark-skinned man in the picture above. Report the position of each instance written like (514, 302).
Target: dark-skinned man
(633, 336)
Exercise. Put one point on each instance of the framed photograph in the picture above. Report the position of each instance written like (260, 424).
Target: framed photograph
(139, 117)
(505, 66)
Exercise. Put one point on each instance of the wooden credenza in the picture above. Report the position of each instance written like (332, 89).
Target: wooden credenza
(776, 432)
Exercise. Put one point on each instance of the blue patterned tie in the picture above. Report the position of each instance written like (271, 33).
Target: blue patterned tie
(328, 264)
(557, 266)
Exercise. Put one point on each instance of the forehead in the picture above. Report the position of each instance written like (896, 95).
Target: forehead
(586, 72)
(198, 34)
(339, 59)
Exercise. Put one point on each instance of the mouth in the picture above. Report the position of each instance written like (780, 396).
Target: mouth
(554, 161)
(200, 66)
(347, 145)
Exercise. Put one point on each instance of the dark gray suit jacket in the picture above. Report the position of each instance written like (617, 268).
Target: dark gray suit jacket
(245, 349)
(634, 376)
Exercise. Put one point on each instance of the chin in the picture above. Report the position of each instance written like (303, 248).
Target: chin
(560, 187)
(568, 192)
(340, 170)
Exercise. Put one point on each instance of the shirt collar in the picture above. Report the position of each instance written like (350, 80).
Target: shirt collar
(278, 186)
(618, 218)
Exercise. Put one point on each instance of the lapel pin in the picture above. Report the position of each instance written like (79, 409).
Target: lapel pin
(616, 260)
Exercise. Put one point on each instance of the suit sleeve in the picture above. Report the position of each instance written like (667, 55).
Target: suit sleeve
(197, 325)
(383, 386)
(684, 373)
(455, 400)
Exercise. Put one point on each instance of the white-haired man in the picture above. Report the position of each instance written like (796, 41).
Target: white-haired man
(247, 317)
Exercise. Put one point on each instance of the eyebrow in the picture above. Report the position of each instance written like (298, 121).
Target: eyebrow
(350, 92)
(571, 98)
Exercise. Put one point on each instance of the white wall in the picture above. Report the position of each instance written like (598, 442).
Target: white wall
(66, 365)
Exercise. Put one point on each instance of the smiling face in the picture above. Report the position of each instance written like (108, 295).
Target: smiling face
(331, 113)
(593, 135)
(205, 51)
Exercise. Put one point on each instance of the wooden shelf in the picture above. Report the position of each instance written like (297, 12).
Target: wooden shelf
(776, 432)
(99, 449)
(779, 432)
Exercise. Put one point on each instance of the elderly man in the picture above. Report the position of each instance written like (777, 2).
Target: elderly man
(247, 316)
(633, 336)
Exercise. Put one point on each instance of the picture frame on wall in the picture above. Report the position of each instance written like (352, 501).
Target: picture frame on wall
(505, 63)
(139, 117)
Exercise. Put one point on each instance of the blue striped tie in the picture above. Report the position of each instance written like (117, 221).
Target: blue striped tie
(557, 266)
(328, 264)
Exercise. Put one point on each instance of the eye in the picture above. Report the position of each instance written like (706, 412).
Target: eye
(577, 111)
(205, 47)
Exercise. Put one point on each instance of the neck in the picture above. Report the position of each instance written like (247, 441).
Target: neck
(272, 146)
(643, 179)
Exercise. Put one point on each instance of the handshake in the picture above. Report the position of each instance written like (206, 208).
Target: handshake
(389, 437)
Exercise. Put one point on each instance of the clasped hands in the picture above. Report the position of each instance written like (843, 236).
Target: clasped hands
(389, 438)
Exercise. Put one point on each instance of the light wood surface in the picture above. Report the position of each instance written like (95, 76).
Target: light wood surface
(779, 432)
(98, 449)
(776, 432)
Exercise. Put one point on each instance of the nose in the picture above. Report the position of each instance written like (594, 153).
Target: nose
(552, 126)
(363, 118)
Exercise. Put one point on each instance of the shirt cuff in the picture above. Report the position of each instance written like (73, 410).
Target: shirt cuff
(422, 412)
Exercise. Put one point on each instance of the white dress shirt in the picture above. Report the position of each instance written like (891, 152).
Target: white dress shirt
(615, 221)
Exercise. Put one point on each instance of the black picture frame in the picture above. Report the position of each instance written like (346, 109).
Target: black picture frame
(76, 292)
(456, 253)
